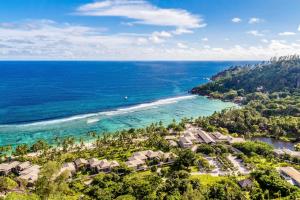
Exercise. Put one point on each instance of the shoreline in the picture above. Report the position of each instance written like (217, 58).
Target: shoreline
(139, 116)
(112, 112)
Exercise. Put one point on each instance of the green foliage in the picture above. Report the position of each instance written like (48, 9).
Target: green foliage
(51, 186)
(22, 150)
(205, 149)
(270, 180)
(270, 93)
(257, 147)
(7, 184)
(19, 196)
(40, 145)
(185, 159)
(225, 189)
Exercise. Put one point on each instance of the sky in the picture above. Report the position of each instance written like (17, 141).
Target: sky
(148, 29)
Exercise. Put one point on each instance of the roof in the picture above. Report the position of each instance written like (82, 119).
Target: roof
(245, 183)
(114, 164)
(93, 162)
(185, 140)
(8, 166)
(190, 136)
(134, 163)
(152, 154)
(80, 161)
(69, 166)
(24, 165)
(220, 136)
(31, 169)
(291, 172)
(141, 155)
(104, 164)
(205, 137)
(31, 177)
(173, 143)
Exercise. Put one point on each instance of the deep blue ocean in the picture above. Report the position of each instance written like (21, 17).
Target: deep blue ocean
(40, 99)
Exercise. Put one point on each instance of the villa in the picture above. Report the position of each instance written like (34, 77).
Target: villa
(219, 137)
(136, 163)
(280, 152)
(97, 166)
(6, 168)
(138, 159)
(22, 166)
(80, 163)
(185, 142)
(206, 137)
(69, 167)
(30, 174)
(291, 174)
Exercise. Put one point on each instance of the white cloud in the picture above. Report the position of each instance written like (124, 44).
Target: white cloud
(159, 37)
(180, 31)
(255, 20)
(205, 39)
(287, 33)
(142, 12)
(236, 20)
(46, 39)
(299, 28)
(255, 33)
(181, 45)
(264, 40)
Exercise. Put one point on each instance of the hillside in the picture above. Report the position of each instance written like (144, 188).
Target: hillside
(278, 75)
(269, 93)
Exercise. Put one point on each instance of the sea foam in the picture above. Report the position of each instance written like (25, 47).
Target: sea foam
(96, 117)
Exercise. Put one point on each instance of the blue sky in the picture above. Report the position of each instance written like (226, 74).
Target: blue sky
(148, 30)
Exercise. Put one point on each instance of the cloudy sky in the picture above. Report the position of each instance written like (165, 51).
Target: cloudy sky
(148, 29)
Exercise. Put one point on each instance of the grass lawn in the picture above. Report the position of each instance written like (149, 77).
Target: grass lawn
(206, 179)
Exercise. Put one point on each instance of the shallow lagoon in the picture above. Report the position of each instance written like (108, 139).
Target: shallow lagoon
(131, 117)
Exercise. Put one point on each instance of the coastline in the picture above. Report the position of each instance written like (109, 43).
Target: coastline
(137, 116)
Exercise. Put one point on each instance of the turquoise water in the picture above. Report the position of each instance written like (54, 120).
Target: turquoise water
(50, 99)
(132, 117)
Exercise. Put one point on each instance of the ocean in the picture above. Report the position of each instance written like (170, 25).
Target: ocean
(48, 99)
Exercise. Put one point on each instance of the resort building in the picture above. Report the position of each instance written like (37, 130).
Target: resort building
(69, 167)
(136, 163)
(30, 175)
(280, 152)
(80, 163)
(104, 166)
(22, 166)
(97, 166)
(138, 159)
(185, 142)
(6, 168)
(206, 138)
(191, 136)
(246, 183)
(219, 137)
(172, 143)
(290, 173)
